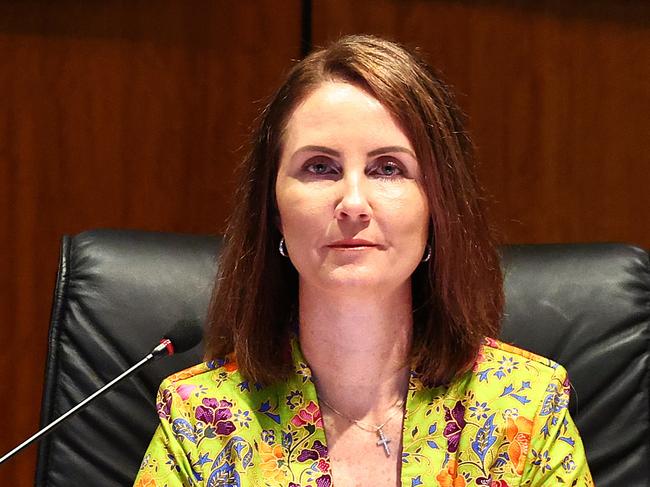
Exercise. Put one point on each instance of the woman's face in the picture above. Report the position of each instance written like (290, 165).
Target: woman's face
(352, 206)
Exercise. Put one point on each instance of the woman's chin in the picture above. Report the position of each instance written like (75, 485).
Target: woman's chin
(349, 279)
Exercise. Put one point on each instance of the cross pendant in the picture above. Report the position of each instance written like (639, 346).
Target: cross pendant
(383, 441)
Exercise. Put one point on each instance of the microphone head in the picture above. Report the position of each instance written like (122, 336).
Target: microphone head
(184, 335)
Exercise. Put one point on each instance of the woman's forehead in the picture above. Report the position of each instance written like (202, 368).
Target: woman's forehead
(342, 112)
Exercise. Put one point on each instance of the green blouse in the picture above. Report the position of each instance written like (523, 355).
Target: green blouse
(503, 424)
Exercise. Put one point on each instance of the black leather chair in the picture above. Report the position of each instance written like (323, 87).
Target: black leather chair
(587, 306)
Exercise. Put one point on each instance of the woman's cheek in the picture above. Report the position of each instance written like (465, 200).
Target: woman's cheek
(291, 203)
(305, 216)
(407, 206)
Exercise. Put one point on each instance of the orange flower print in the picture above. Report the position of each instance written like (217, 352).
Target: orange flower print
(518, 432)
(231, 365)
(272, 463)
(310, 414)
(146, 480)
(185, 374)
(448, 477)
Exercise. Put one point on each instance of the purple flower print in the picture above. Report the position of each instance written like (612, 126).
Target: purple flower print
(164, 407)
(455, 419)
(318, 454)
(308, 455)
(216, 413)
(324, 481)
(319, 451)
(320, 448)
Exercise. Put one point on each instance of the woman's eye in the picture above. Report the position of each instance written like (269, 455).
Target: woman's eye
(320, 167)
(388, 169)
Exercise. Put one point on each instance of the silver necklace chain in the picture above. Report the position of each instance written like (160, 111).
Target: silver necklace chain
(372, 428)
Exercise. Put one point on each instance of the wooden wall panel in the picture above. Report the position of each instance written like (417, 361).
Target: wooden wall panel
(558, 98)
(115, 114)
(130, 114)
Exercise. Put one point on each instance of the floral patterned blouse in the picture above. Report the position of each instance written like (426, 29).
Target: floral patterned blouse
(503, 424)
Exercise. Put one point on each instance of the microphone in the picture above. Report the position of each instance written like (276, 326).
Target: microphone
(184, 335)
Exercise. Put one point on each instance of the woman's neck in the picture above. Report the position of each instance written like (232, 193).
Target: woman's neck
(357, 346)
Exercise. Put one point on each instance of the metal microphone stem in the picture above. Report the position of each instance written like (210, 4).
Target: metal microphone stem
(57, 422)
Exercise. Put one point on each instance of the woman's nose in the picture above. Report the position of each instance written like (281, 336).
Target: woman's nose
(353, 203)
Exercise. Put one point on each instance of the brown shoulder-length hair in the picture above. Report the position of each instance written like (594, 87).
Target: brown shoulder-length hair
(457, 295)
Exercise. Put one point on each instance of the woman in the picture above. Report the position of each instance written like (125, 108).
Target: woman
(356, 293)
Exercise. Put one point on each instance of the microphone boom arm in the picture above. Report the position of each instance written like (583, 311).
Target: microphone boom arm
(183, 336)
(58, 421)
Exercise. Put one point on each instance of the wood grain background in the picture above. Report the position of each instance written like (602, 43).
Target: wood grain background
(115, 114)
(133, 114)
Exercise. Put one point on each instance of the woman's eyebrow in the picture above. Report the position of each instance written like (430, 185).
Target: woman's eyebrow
(391, 148)
(318, 148)
(372, 153)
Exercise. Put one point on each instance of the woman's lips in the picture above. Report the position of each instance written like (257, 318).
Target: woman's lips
(354, 244)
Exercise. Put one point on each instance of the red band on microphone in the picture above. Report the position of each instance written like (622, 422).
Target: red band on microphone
(168, 345)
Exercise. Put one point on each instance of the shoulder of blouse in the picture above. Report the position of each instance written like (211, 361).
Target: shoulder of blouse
(511, 373)
(214, 372)
(503, 353)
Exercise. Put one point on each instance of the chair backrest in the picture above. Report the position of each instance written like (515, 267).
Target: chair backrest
(117, 293)
(586, 306)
